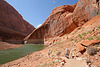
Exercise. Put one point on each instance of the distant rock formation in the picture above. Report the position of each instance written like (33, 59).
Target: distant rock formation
(64, 19)
(13, 28)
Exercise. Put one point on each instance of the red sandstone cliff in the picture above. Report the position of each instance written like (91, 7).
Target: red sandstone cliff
(58, 23)
(85, 10)
(64, 19)
(13, 28)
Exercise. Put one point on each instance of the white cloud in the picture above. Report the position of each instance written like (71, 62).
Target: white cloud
(54, 2)
(39, 25)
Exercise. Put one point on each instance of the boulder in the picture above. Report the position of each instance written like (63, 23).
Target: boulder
(92, 50)
(85, 43)
(89, 43)
(80, 47)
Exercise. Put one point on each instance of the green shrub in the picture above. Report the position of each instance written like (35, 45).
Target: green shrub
(75, 40)
(53, 62)
(50, 64)
(79, 40)
(74, 32)
(66, 34)
(89, 32)
(72, 39)
(45, 65)
(98, 27)
(96, 45)
(38, 65)
(98, 38)
(80, 36)
(84, 34)
(90, 38)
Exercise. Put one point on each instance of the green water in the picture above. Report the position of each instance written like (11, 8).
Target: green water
(13, 54)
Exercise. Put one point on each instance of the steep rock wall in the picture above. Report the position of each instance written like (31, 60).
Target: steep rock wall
(13, 27)
(64, 19)
(85, 10)
(56, 24)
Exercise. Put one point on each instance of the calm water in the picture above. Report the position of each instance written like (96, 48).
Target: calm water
(13, 54)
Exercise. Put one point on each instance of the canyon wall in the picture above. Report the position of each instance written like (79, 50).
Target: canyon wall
(58, 23)
(13, 28)
(64, 19)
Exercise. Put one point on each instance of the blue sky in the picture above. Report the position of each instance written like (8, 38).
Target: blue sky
(36, 11)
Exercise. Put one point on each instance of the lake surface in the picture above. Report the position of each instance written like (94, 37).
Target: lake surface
(13, 54)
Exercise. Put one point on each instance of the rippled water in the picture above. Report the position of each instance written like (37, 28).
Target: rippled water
(13, 54)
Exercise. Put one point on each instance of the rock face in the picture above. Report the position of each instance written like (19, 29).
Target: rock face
(64, 19)
(13, 28)
(85, 10)
(58, 23)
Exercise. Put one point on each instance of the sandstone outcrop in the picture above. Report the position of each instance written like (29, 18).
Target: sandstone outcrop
(64, 19)
(13, 28)
(58, 23)
(85, 10)
(89, 43)
(86, 43)
(80, 47)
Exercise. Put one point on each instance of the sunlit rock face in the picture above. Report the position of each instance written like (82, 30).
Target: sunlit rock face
(58, 23)
(13, 28)
(85, 10)
(64, 19)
